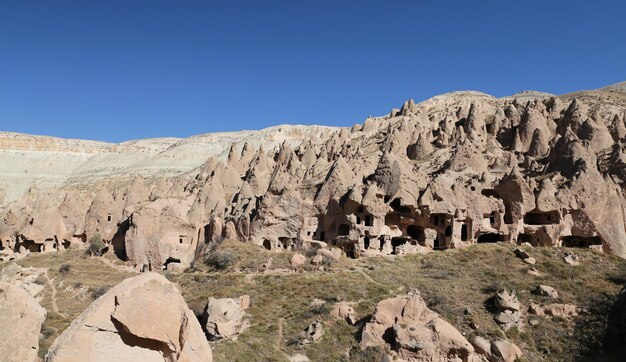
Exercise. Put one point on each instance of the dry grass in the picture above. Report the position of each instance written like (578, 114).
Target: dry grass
(449, 281)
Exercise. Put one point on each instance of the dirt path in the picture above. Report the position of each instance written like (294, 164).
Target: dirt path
(53, 296)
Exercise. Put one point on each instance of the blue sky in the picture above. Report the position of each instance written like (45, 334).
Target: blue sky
(118, 70)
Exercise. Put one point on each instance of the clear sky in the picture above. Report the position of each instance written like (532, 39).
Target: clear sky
(117, 70)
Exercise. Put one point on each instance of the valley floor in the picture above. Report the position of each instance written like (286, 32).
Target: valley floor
(455, 283)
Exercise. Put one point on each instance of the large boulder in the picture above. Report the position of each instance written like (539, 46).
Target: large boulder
(21, 318)
(225, 318)
(418, 333)
(144, 318)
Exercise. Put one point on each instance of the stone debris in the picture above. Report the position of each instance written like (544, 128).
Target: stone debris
(143, 318)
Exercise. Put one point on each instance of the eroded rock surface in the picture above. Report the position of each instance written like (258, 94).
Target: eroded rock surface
(21, 318)
(144, 318)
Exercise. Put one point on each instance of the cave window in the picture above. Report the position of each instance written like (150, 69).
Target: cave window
(308, 233)
(267, 244)
(180, 240)
(416, 233)
(366, 242)
(541, 218)
(464, 232)
(109, 218)
(322, 236)
(448, 231)
(358, 220)
(492, 218)
(344, 229)
(369, 220)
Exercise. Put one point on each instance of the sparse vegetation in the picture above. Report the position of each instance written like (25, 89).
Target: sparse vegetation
(450, 281)
(65, 269)
(96, 246)
(220, 259)
(98, 292)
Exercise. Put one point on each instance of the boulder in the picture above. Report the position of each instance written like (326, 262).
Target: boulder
(297, 260)
(21, 318)
(345, 311)
(505, 351)
(144, 318)
(418, 333)
(312, 333)
(224, 318)
(509, 310)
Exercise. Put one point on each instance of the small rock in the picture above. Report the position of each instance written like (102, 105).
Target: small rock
(530, 260)
(297, 260)
(534, 271)
(546, 291)
(571, 258)
(533, 322)
(506, 350)
(317, 260)
(481, 345)
(468, 311)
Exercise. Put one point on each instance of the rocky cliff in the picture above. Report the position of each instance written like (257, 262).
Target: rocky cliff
(457, 169)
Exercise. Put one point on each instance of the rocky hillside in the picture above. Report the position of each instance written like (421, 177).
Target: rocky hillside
(457, 169)
(293, 243)
(47, 163)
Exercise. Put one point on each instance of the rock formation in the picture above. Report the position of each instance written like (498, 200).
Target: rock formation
(144, 318)
(418, 333)
(454, 170)
(21, 318)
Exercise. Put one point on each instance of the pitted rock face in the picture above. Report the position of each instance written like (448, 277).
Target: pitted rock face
(144, 318)
(457, 169)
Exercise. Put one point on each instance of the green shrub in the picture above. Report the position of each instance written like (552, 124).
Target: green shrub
(220, 259)
(96, 246)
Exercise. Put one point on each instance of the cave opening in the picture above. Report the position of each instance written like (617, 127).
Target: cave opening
(489, 238)
(581, 241)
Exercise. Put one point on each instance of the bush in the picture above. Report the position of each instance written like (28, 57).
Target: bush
(220, 259)
(96, 246)
(98, 292)
(64, 269)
